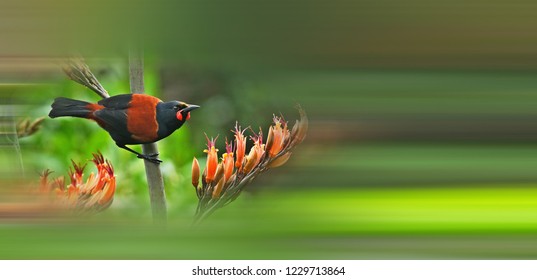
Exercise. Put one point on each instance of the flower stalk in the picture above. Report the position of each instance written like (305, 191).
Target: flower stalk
(94, 194)
(222, 182)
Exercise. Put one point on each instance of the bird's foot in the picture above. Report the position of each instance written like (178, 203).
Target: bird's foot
(151, 157)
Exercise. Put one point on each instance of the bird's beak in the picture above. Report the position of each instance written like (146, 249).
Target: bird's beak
(190, 108)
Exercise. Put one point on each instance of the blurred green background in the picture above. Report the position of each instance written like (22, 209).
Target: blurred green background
(421, 142)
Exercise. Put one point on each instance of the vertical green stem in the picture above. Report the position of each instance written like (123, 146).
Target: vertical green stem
(152, 170)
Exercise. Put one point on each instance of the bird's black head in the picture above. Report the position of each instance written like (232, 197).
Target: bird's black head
(171, 115)
(182, 110)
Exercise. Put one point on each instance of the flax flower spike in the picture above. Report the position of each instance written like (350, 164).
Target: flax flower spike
(222, 182)
(94, 194)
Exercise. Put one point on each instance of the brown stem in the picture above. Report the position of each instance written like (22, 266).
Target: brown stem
(152, 170)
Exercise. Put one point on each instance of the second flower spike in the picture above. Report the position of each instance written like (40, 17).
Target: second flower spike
(94, 194)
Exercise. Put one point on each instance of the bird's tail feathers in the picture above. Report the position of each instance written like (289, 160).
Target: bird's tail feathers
(66, 107)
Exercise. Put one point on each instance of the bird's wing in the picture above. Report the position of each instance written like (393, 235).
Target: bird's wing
(117, 102)
(115, 122)
(130, 118)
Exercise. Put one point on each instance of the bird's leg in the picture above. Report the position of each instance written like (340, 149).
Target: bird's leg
(152, 157)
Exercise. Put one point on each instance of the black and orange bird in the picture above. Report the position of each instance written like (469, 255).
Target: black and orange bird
(130, 119)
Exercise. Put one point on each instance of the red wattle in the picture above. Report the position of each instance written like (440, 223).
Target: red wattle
(179, 116)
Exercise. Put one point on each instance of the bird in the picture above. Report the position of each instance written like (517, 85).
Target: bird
(130, 119)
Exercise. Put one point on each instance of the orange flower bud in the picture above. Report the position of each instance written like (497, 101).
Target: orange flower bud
(104, 173)
(251, 161)
(76, 173)
(276, 135)
(218, 188)
(270, 139)
(228, 166)
(240, 145)
(255, 154)
(212, 160)
(195, 173)
(108, 191)
(227, 160)
(219, 172)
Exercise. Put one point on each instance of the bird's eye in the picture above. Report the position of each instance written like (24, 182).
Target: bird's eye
(176, 107)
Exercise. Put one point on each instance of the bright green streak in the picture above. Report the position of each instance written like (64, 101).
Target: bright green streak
(467, 209)
(462, 222)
